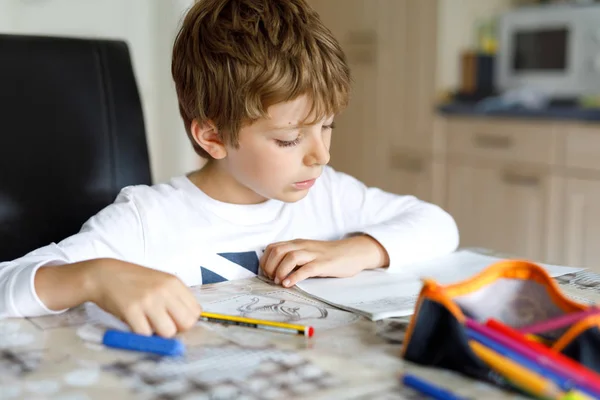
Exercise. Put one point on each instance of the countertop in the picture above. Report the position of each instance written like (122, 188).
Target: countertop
(550, 113)
(350, 357)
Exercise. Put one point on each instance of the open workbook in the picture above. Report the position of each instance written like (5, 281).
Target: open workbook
(378, 294)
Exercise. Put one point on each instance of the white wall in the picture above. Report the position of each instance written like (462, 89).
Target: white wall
(149, 27)
(456, 32)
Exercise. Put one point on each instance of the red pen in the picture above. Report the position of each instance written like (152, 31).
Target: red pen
(593, 378)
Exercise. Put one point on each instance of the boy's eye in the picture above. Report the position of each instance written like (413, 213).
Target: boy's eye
(330, 126)
(287, 143)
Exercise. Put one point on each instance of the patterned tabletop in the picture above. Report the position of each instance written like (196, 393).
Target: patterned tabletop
(349, 357)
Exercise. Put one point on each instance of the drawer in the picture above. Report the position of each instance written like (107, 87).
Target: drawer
(582, 148)
(503, 140)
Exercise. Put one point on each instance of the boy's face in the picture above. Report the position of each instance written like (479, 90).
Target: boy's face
(277, 158)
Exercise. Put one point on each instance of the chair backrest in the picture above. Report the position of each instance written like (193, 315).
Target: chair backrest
(71, 136)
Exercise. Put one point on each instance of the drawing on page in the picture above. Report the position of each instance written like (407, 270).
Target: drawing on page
(289, 312)
(283, 307)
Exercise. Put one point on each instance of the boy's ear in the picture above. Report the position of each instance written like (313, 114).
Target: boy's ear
(207, 137)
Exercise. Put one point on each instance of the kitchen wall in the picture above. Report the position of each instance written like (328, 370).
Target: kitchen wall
(456, 32)
(149, 27)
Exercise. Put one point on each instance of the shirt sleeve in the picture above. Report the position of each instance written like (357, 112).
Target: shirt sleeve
(115, 232)
(411, 230)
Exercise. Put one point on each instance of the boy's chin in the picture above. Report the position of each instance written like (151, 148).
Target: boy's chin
(292, 197)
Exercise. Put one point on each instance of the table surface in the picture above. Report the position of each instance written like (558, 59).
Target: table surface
(349, 356)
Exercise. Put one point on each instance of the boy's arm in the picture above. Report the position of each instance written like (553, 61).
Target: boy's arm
(409, 229)
(114, 232)
(382, 230)
(147, 300)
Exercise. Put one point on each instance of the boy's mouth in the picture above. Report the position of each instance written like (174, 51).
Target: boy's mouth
(303, 185)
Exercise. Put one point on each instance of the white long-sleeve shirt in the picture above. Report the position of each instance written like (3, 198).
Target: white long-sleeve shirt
(177, 228)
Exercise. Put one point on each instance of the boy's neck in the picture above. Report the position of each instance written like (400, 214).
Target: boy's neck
(218, 184)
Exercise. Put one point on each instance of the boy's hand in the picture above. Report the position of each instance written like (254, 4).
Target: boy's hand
(291, 262)
(147, 300)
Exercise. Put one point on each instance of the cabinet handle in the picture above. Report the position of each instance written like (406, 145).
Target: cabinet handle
(362, 37)
(361, 46)
(409, 164)
(367, 56)
(514, 178)
(486, 141)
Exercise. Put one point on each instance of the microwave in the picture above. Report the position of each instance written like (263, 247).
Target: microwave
(553, 49)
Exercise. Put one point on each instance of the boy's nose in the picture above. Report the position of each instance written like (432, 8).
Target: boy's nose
(318, 154)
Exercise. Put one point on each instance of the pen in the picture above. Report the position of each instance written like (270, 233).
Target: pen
(125, 340)
(428, 389)
(147, 344)
(522, 377)
(527, 350)
(274, 326)
(574, 370)
(559, 322)
(564, 383)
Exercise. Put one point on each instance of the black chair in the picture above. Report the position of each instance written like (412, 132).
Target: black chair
(71, 136)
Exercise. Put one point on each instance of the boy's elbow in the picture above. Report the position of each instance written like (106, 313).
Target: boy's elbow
(445, 231)
(451, 233)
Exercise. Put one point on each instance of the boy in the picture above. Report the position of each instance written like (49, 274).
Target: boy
(259, 83)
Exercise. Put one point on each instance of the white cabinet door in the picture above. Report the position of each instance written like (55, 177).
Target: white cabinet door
(582, 223)
(417, 174)
(356, 139)
(390, 46)
(500, 208)
(411, 175)
(415, 67)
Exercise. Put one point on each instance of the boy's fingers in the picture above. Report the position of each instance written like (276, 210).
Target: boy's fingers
(188, 298)
(306, 271)
(183, 316)
(138, 322)
(275, 256)
(265, 256)
(292, 260)
(161, 322)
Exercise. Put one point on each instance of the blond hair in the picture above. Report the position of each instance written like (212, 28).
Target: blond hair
(232, 59)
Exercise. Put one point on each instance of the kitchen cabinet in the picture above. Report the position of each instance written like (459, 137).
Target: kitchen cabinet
(513, 184)
(391, 49)
(502, 208)
(412, 173)
(581, 233)
(525, 187)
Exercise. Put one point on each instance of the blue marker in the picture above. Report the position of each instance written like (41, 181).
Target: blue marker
(563, 382)
(147, 344)
(132, 341)
(427, 388)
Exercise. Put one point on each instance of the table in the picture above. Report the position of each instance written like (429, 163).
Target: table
(349, 357)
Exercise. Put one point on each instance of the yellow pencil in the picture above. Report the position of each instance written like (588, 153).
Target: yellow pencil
(517, 374)
(575, 395)
(283, 327)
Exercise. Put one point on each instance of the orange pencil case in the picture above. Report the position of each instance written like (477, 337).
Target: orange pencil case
(516, 293)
